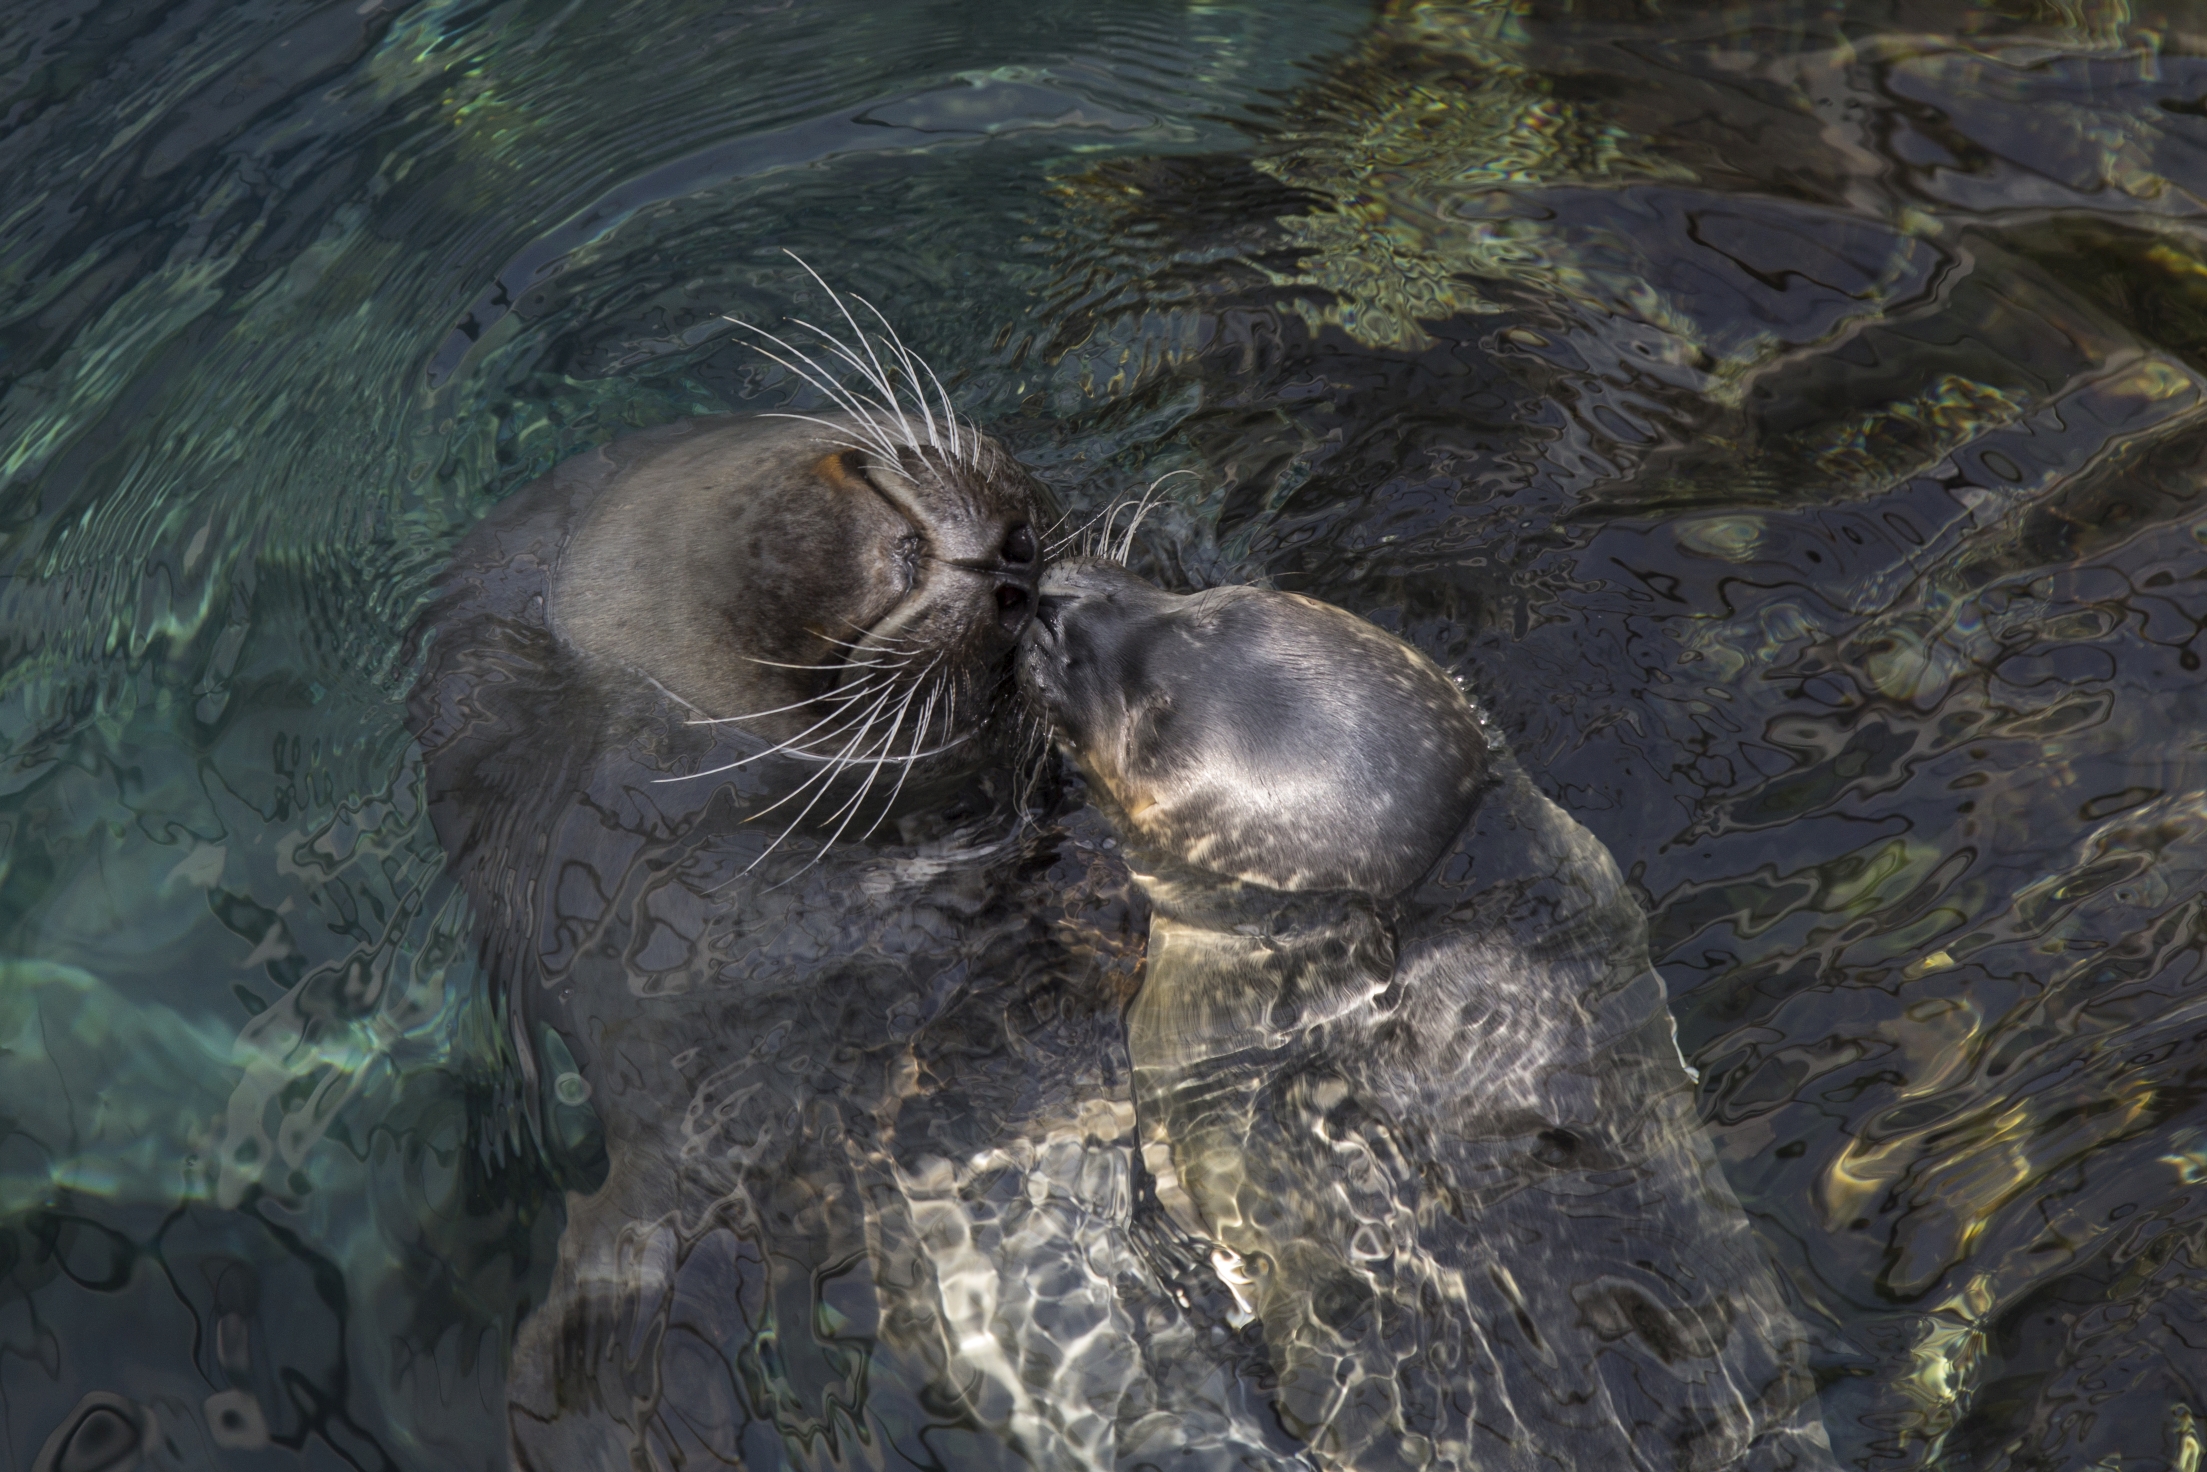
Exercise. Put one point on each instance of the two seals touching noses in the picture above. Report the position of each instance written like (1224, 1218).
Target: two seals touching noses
(1400, 1053)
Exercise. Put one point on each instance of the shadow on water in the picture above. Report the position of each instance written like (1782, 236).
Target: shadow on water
(1788, 419)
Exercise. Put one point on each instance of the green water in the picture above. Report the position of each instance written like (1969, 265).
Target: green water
(1788, 418)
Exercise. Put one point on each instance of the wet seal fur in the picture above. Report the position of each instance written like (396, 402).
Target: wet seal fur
(1399, 1051)
(708, 1016)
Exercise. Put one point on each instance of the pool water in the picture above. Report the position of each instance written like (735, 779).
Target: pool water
(1790, 420)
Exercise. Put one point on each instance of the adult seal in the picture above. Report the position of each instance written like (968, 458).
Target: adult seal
(715, 720)
(1399, 1051)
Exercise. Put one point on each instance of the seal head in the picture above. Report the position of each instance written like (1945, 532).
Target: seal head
(1261, 736)
(757, 567)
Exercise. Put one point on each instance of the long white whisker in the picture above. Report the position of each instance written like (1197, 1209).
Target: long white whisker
(905, 357)
(836, 345)
(1142, 510)
(849, 664)
(882, 761)
(843, 704)
(877, 441)
(919, 683)
(880, 379)
(910, 760)
(811, 373)
(1048, 533)
(850, 809)
(888, 389)
(747, 716)
(827, 424)
(1104, 537)
(853, 404)
(837, 696)
(825, 777)
(834, 763)
(885, 644)
(1150, 501)
(1052, 549)
(919, 391)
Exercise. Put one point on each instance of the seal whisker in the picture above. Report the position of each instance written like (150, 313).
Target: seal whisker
(824, 779)
(850, 809)
(851, 403)
(755, 715)
(911, 757)
(1058, 545)
(1149, 502)
(837, 696)
(894, 404)
(842, 700)
(790, 746)
(824, 424)
(880, 759)
(950, 415)
(880, 379)
(877, 442)
(883, 761)
(1111, 517)
(813, 372)
(906, 359)
(1030, 759)
(848, 664)
(1047, 536)
(870, 642)
(843, 758)
(1126, 542)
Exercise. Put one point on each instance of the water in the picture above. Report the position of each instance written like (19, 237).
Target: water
(1788, 419)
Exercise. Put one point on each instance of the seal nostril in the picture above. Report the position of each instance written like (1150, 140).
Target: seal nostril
(1011, 607)
(1019, 547)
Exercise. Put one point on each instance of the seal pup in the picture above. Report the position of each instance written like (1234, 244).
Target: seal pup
(671, 689)
(1399, 1051)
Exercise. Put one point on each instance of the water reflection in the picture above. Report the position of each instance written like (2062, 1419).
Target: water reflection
(1787, 418)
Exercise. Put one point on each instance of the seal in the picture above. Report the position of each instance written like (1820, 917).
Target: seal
(1400, 1053)
(715, 720)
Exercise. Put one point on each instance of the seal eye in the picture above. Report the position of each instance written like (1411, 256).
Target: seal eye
(1019, 547)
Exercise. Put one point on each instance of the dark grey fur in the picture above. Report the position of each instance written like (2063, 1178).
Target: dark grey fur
(714, 1051)
(1400, 1052)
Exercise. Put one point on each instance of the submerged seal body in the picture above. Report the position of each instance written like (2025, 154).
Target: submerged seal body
(669, 688)
(1400, 1052)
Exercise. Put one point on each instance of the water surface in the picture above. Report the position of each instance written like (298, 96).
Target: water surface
(1788, 419)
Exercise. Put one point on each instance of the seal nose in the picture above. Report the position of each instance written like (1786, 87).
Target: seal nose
(1016, 570)
(1047, 610)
